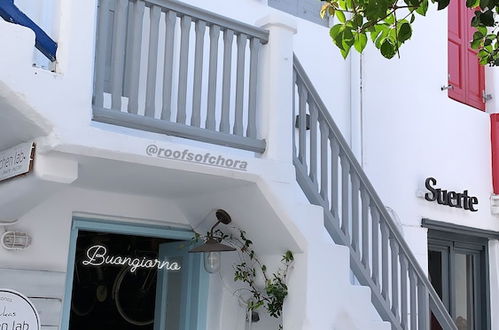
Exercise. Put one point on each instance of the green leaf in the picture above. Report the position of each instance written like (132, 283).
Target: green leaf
(384, 30)
(491, 36)
(477, 35)
(484, 3)
(482, 30)
(357, 21)
(390, 19)
(341, 16)
(360, 42)
(348, 39)
(388, 49)
(374, 34)
(405, 32)
(487, 18)
(413, 17)
(442, 4)
(333, 32)
(423, 8)
(345, 53)
(476, 43)
(472, 3)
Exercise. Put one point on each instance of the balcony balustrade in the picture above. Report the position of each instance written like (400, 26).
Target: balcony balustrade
(151, 72)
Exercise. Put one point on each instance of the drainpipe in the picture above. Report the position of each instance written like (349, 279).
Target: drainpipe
(356, 106)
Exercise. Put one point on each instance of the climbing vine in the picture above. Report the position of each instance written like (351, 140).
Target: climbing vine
(250, 267)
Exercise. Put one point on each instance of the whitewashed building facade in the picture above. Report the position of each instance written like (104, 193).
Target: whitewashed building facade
(157, 112)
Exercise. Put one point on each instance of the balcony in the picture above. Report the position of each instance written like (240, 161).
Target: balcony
(151, 72)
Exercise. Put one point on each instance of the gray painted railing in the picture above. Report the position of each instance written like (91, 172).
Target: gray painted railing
(151, 72)
(330, 176)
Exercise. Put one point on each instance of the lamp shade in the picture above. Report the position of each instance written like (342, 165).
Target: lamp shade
(212, 245)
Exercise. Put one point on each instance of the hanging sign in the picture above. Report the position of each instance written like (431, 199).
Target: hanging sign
(450, 198)
(16, 161)
(17, 312)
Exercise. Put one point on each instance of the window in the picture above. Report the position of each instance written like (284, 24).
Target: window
(466, 75)
(458, 271)
(306, 9)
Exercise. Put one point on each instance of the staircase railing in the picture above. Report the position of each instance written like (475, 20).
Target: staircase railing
(331, 177)
(151, 74)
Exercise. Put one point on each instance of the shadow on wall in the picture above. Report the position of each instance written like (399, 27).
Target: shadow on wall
(344, 322)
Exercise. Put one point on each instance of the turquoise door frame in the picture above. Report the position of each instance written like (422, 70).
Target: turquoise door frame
(125, 228)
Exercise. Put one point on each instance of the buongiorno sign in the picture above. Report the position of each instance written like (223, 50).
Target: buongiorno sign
(16, 161)
(17, 312)
(98, 255)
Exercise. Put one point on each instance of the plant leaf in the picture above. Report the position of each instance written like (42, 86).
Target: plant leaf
(341, 16)
(388, 48)
(405, 32)
(360, 42)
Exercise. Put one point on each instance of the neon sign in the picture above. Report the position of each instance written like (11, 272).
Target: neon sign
(97, 256)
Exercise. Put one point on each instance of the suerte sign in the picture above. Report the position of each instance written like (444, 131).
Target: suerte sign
(16, 161)
(17, 312)
(448, 197)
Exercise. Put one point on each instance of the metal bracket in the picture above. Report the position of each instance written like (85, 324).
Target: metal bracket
(486, 97)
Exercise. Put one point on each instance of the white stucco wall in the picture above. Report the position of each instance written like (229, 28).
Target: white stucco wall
(412, 131)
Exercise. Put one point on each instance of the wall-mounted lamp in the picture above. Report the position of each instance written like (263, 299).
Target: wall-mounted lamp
(14, 240)
(212, 247)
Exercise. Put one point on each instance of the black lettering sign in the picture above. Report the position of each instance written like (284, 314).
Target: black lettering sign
(448, 197)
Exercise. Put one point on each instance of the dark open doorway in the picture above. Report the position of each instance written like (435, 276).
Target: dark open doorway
(458, 271)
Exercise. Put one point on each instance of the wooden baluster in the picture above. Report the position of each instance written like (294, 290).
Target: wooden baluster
(185, 32)
(212, 77)
(166, 110)
(314, 118)
(241, 60)
(365, 227)
(403, 290)
(118, 57)
(355, 211)
(226, 85)
(198, 74)
(345, 214)
(395, 275)
(100, 57)
(136, 50)
(152, 65)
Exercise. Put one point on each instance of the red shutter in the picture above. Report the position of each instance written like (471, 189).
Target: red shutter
(466, 75)
(494, 134)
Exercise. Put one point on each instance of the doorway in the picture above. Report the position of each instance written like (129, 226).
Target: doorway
(458, 271)
(133, 277)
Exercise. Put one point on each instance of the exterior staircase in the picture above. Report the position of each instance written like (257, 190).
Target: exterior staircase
(355, 217)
